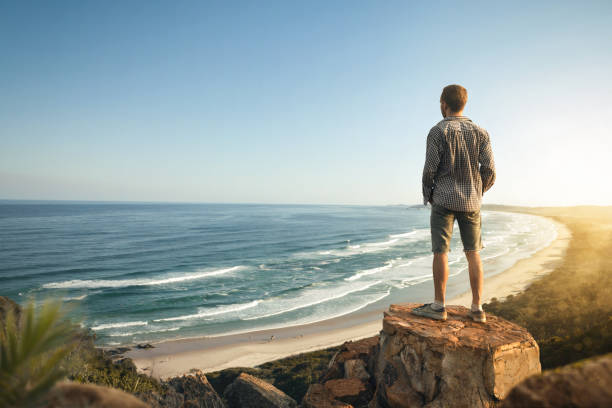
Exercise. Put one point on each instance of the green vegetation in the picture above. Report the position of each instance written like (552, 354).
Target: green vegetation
(33, 343)
(292, 375)
(39, 346)
(569, 311)
(89, 365)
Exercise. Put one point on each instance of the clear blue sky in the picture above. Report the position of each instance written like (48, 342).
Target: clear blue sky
(298, 102)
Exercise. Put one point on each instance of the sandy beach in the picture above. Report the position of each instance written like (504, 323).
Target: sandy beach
(209, 354)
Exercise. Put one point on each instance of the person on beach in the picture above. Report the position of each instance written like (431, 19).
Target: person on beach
(459, 169)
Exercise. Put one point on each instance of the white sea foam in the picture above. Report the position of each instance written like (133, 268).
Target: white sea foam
(369, 247)
(302, 321)
(458, 259)
(371, 271)
(404, 235)
(413, 280)
(416, 260)
(213, 311)
(503, 252)
(101, 283)
(317, 295)
(389, 242)
(69, 298)
(125, 334)
(384, 295)
(119, 324)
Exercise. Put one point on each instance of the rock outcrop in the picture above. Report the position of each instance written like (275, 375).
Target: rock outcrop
(344, 364)
(352, 391)
(583, 386)
(248, 391)
(356, 368)
(348, 381)
(196, 391)
(420, 362)
(318, 396)
(456, 363)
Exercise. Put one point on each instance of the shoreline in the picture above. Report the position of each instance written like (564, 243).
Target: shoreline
(176, 357)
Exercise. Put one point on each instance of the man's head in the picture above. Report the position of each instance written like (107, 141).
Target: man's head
(453, 100)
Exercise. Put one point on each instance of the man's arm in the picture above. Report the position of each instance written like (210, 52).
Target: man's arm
(432, 160)
(487, 164)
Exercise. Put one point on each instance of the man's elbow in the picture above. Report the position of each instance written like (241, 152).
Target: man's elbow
(428, 179)
(491, 182)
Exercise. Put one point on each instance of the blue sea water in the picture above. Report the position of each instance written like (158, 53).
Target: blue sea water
(148, 272)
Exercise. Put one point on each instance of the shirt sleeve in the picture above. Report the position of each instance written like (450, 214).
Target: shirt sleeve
(487, 164)
(432, 161)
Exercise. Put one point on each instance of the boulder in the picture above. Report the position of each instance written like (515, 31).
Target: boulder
(145, 346)
(75, 395)
(318, 396)
(454, 363)
(587, 385)
(196, 390)
(248, 391)
(356, 368)
(113, 352)
(350, 390)
(364, 350)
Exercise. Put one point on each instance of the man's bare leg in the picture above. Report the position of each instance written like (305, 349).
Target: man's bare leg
(440, 275)
(476, 275)
(436, 310)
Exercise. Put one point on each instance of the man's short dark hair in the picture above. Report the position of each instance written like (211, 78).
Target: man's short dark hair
(455, 97)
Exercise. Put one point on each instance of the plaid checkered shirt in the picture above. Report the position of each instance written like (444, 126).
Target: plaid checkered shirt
(459, 164)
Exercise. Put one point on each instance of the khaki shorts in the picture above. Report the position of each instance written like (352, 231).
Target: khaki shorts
(442, 221)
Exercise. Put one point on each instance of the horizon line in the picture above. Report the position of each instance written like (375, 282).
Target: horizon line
(62, 201)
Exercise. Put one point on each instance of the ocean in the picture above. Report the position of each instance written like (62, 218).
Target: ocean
(149, 272)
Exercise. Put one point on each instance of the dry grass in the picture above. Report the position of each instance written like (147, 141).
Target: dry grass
(569, 311)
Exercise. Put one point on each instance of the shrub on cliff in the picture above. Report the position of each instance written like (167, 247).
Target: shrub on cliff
(39, 346)
(33, 344)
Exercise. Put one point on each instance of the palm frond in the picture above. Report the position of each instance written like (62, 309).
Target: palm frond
(30, 352)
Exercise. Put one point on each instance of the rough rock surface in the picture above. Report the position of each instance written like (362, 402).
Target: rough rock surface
(347, 382)
(350, 390)
(67, 394)
(356, 368)
(456, 363)
(318, 396)
(363, 349)
(248, 391)
(197, 391)
(585, 386)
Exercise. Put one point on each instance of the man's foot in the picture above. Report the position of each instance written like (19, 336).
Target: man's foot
(427, 311)
(478, 316)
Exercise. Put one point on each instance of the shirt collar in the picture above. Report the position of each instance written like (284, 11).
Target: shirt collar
(456, 118)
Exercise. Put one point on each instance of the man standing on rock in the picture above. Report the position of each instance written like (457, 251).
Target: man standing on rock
(459, 168)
